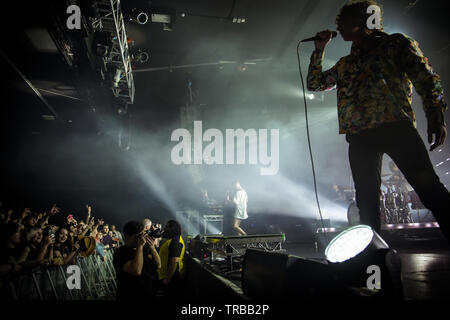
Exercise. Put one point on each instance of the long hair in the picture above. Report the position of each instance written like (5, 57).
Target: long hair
(173, 229)
(68, 244)
(357, 9)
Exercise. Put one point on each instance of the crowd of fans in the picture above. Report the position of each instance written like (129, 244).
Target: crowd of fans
(143, 263)
(29, 240)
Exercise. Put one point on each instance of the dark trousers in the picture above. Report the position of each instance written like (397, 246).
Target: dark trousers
(402, 142)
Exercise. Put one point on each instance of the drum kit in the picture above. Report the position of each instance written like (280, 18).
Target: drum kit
(397, 200)
(394, 202)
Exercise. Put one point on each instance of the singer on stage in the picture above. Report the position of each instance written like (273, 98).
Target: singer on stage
(374, 91)
(240, 200)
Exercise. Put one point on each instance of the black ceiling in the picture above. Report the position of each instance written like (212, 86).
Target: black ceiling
(272, 30)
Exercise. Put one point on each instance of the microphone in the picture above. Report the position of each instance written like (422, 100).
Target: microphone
(333, 35)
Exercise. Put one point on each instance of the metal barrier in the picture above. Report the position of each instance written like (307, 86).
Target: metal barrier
(98, 282)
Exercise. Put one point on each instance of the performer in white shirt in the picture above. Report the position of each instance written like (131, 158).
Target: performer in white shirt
(240, 213)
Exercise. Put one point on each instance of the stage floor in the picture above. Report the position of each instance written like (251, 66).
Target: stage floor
(425, 265)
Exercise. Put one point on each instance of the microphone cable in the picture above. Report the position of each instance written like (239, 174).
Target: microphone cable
(309, 141)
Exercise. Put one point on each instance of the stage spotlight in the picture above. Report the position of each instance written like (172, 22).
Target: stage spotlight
(161, 18)
(117, 77)
(351, 242)
(356, 252)
(165, 18)
(138, 16)
(242, 67)
(140, 56)
(142, 18)
(143, 57)
(122, 109)
(238, 20)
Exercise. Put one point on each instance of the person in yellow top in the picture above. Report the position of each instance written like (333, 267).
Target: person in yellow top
(171, 252)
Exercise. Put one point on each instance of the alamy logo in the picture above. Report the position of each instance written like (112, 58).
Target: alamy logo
(213, 153)
(74, 20)
(74, 279)
(374, 21)
(374, 281)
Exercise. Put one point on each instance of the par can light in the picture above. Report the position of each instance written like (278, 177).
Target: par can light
(356, 251)
(142, 18)
(351, 242)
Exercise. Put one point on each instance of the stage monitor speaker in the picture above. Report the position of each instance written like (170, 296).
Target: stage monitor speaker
(309, 279)
(263, 274)
(276, 276)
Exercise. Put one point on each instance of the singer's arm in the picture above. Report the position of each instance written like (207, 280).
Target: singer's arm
(317, 80)
(426, 81)
(427, 84)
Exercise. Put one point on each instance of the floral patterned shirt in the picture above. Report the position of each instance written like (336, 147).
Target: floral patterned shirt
(374, 82)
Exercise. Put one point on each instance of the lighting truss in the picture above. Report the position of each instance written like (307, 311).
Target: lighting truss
(111, 20)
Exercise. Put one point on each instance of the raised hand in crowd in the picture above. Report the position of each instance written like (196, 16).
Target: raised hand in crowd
(25, 213)
(43, 220)
(48, 240)
(9, 216)
(89, 211)
(91, 223)
(46, 250)
(54, 210)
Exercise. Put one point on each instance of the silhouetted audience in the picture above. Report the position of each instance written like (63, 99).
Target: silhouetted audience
(28, 240)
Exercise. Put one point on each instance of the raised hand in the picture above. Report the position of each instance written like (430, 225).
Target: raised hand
(76, 247)
(26, 212)
(54, 210)
(48, 240)
(150, 241)
(141, 240)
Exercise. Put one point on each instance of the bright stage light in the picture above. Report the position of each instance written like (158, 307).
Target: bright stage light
(142, 18)
(349, 243)
(161, 18)
(352, 252)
